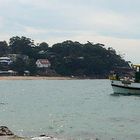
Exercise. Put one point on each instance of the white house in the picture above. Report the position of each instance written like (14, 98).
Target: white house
(43, 63)
(5, 60)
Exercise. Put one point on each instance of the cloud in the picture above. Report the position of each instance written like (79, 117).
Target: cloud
(34, 31)
(105, 21)
(66, 15)
(1, 22)
(4, 2)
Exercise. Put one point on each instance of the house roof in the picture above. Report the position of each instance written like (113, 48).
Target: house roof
(44, 61)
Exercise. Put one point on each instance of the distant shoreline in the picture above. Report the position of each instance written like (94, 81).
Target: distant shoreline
(35, 78)
(47, 78)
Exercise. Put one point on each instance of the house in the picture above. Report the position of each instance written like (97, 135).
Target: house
(43, 66)
(5, 63)
(43, 63)
(5, 60)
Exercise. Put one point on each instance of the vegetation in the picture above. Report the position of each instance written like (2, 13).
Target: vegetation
(67, 58)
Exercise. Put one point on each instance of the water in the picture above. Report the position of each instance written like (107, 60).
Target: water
(69, 109)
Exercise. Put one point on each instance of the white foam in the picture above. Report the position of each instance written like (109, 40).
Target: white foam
(44, 138)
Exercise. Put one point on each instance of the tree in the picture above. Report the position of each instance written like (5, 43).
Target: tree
(67, 58)
(43, 46)
(3, 48)
(73, 58)
(19, 65)
(32, 66)
(21, 45)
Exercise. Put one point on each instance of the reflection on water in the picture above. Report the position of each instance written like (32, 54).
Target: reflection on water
(121, 94)
(115, 94)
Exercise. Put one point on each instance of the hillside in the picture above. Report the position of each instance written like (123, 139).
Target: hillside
(67, 58)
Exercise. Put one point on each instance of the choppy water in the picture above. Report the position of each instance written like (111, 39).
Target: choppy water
(69, 109)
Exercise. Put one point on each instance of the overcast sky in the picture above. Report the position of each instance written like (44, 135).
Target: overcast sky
(115, 23)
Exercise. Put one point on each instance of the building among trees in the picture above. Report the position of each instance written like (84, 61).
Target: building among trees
(67, 58)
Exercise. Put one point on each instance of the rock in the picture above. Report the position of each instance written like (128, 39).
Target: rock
(4, 131)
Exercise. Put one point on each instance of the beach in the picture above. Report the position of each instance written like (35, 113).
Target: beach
(34, 78)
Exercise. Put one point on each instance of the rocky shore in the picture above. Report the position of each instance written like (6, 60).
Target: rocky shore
(7, 134)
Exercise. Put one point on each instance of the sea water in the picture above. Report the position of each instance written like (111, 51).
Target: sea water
(68, 109)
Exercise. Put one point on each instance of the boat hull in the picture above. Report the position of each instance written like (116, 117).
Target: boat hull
(122, 88)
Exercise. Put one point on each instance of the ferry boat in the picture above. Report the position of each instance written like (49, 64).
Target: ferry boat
(126, 85)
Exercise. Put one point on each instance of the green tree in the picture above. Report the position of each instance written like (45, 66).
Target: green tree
(32, 66)
(21, 45)
(43, 46)
(20, 66)
(73, 58)
(3, 48)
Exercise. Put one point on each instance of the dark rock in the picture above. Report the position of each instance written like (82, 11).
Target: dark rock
(43, 135)
(4, 131)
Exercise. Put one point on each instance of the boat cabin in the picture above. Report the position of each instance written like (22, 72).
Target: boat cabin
(137, 72)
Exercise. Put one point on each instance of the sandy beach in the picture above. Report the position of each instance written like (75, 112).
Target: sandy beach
(34, 78)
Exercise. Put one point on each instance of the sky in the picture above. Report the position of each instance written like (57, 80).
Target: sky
(115, 23)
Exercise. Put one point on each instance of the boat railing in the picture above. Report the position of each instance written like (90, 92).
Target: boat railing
(114, 77)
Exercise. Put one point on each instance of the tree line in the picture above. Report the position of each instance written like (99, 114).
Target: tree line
(67, 58)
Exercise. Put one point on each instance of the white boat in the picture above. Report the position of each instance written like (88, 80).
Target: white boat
(120, 87)
(127, 86)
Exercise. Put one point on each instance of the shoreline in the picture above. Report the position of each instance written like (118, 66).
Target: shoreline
(45, 78)
(35, 78)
